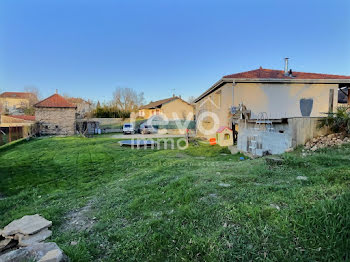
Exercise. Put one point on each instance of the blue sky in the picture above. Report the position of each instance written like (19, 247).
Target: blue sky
(88, 48)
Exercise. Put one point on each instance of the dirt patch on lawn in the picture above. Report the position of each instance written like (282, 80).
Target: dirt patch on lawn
(79, 219)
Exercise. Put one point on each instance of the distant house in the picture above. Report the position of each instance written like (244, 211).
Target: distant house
(16, 102)
(172, 108)
(272, 110)
(83, 107)
(56, 116)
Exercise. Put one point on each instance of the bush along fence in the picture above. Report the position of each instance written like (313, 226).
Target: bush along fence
(174, 124)
(111, 125)
(110, 112)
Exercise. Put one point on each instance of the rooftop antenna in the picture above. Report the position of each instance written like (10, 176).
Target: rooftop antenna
(173, 91)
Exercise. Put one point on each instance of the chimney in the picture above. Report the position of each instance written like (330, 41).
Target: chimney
(286, 66)
(56, 91)
(173, 95)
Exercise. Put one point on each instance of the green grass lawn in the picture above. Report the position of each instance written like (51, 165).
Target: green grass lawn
(198, 204)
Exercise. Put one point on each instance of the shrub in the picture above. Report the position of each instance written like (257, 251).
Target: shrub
(110, 112)
(339, 121)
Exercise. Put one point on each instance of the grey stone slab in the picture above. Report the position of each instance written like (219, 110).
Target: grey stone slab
(33, 252)
(55, 255)
(26, 225)
(27, 240)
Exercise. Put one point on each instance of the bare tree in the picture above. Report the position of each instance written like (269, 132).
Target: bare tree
(191, 99)
(36, 94)
(127, 99)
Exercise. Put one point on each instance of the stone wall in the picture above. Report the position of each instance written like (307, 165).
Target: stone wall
(56, 121)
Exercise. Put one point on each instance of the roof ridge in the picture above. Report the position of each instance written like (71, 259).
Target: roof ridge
(10, 94)
(242, 72)
(269, 69)
(160, 102)
(259, 73)
(47, 103)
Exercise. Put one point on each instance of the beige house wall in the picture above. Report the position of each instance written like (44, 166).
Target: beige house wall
(14, 103)
(147, 113)
(178, 109)
(282, 100)
(218, 104)
(172, 110)
(56, 121)
(276, 99)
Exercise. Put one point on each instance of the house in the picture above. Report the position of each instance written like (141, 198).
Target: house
(15, 127)
(83, 107)
(56, 116)
(272, 110)
(16, 102)
(173, 108)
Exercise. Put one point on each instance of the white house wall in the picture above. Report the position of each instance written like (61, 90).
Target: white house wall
(277, 100)
(283, 100)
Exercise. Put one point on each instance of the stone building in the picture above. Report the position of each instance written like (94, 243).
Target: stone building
(56, 116)
(84, 108)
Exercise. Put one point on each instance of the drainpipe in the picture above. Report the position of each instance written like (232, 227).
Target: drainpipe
(232, 125)
(233, 87)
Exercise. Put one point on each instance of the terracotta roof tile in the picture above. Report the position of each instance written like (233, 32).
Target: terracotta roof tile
(23, 117)
(23, 95)
(279, 74)
(159, 103)
(55, 101)
(76, 100)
